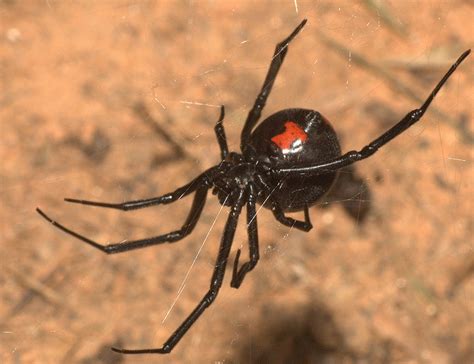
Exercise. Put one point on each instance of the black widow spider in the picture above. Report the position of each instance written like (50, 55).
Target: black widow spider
(287, 163)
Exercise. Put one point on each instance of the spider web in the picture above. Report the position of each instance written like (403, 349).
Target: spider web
(74, 75)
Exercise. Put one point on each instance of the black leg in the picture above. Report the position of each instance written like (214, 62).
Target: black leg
(161, 200)
(279, 213)
(210, 296)
(277, 60)
(186, 229)
(353, 156)
(239, 274)
(220, 134)
(288, 221)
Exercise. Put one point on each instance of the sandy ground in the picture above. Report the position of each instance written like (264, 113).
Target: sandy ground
(392, 282)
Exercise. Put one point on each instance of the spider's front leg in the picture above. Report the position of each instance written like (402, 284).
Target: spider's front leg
(289, 221)
(277, 60)
(216, 283)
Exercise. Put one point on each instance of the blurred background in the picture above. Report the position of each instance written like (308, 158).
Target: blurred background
(116, 100)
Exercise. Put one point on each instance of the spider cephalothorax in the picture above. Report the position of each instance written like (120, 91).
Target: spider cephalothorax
(233, 174)
(287, 163)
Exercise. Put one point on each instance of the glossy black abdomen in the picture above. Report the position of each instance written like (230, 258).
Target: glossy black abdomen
(295, 138)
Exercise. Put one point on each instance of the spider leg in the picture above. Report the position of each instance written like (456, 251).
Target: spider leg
(220, 134)
(239, 274)
(210, 296)
(277, 60)
(353, 156)
(186, 229)
(288, 221)
(161, 200)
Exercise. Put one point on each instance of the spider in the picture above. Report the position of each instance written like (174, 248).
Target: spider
(286, 164)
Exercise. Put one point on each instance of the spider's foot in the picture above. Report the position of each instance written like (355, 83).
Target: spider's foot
(94, 203)
(164, 350)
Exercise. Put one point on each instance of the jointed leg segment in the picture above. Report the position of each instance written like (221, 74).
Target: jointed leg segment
(289, 221)
(220, 134)
(238, 275)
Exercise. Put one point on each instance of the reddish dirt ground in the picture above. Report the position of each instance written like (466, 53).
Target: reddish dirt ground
(394, 287)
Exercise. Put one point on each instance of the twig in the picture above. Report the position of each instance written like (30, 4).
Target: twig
(142, 112)
(460, 272)
(386, 16)
(36, 286)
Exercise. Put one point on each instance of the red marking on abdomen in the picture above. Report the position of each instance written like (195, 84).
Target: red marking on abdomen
(292, 133)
